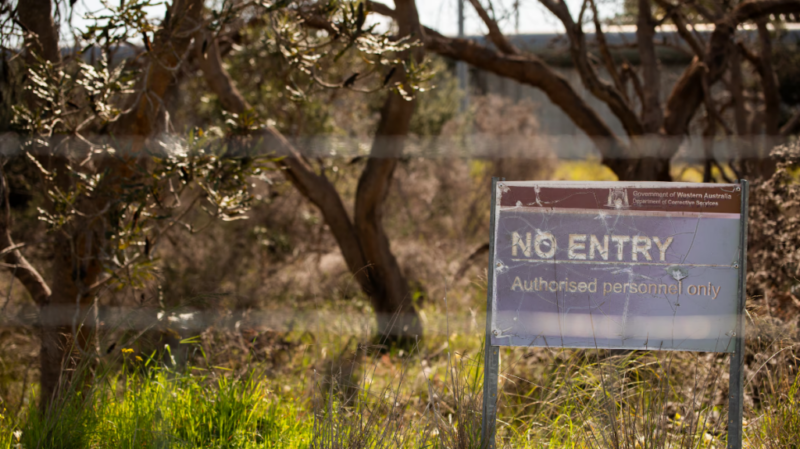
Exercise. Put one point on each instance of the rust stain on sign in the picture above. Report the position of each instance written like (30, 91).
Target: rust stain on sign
(616, 265)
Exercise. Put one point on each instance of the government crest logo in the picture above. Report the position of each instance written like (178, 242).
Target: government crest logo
(618, 198)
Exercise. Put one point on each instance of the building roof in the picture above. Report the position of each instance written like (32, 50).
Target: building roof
(670, 48)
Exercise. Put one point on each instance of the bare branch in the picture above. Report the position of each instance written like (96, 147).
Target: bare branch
(319, 190)
(708, 15)
(169, 46)
(495, 35)
(314, 187)
(737, 94)
(652, 114)
(629, 74)
(476, 255)
(687, 95)
(709, 133)
(711, 109)
(599, 88)
(529, 69)
(382, 9)
(769, 82)
(679, 20)
(791, 125)
(751, 57)
(25, 273)
(215, 75)
(608, 60)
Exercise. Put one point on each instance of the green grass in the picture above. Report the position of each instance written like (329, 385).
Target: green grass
(156, 407)
(7, 438)
(548, 398)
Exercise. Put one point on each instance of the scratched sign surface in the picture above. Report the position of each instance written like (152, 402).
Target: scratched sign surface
(616, 265)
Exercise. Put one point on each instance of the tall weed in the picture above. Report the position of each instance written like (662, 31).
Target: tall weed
(778, 424)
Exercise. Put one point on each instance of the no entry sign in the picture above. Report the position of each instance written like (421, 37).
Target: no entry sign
(625, 266)
(615, 265)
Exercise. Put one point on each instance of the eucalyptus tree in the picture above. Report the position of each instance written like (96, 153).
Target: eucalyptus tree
(93, 119)
(654, 127)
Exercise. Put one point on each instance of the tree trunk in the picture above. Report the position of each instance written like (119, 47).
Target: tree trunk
(652, 114)
(648, 168)
(37, 17)
(764, 167)
(68, 326)
(55, 333)
(362, 241)
(66, 323)
(397, 318)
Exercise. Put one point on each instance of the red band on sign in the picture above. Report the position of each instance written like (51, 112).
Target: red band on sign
(724, 199)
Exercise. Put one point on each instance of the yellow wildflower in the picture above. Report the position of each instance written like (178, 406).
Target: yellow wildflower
(127, 351)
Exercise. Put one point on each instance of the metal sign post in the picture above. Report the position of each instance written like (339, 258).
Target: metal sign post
(736, 383)
(491, 354)
(617, 265)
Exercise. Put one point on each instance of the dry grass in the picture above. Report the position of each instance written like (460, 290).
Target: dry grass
(278, 300)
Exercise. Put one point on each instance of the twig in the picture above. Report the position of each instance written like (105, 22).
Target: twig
(605, 52)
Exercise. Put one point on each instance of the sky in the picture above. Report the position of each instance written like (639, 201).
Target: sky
(441, 15)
